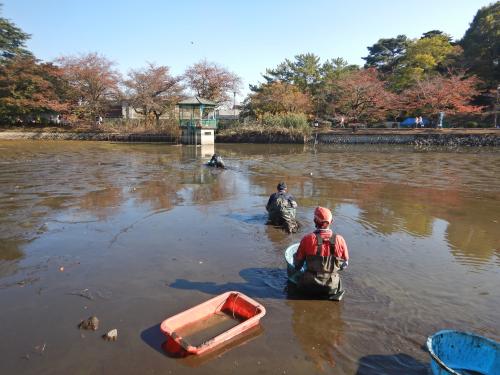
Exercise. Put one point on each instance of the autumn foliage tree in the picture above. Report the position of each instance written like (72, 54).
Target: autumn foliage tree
(361, 96)
(451, 94)
(211, 81)
(30, 89)
(152, 90)
(93, 82)
(280, 98)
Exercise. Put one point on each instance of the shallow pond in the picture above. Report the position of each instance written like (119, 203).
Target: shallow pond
(136, 233)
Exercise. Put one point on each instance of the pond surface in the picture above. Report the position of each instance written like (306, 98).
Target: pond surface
(134, 234)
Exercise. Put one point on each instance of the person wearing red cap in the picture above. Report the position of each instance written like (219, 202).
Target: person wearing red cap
(325, 254)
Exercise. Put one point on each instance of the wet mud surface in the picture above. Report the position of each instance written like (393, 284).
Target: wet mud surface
(133, 234)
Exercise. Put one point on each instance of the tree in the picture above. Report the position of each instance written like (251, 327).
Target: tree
(481, 45)
(279, 98)
(29, 88)
(93, 81)
(451, 94)
(12, 40)
(213, 82)
(423, 58)
(433, 33)
(304, 72)
(307, 74)
(331, 71)
(152, 90)
(361, 96)
(386, 54)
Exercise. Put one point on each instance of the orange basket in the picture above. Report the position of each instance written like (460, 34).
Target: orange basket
(210, 324)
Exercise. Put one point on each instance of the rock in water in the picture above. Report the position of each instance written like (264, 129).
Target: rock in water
(111, 335)
(91, 323)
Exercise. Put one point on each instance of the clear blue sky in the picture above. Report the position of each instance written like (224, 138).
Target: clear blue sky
(245, 36)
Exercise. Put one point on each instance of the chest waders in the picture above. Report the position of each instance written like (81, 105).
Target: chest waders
(321, 276)
(281, 213)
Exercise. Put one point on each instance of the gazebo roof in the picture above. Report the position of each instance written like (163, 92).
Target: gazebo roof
(196, 101)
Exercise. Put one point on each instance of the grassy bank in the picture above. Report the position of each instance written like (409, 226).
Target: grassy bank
(109, 126)
(258, 133)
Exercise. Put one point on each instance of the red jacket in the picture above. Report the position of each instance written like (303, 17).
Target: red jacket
(308, 246)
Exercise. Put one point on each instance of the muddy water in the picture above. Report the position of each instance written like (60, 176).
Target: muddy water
(136, 233)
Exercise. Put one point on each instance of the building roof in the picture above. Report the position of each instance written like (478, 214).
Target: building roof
(195, 100)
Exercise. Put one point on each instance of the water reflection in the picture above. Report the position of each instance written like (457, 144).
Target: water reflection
(102, 203)
(319, 329)
(412, 220)
(159, 194)
(388, 208)
(10, 254)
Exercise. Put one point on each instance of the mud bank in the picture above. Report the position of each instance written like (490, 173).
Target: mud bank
(110, 137)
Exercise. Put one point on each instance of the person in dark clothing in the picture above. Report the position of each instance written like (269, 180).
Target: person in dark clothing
(216, 161)
(281, 208)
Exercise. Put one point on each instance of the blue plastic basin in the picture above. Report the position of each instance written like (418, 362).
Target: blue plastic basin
(293, 275)
(460, 353)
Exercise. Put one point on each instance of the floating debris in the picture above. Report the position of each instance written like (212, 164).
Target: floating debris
(85, 293)
(91, 323)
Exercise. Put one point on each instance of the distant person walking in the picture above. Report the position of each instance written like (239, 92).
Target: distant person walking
(342, 121)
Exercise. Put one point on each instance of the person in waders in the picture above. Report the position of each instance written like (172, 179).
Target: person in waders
(325, 254)
(216, 161)
(281, 208)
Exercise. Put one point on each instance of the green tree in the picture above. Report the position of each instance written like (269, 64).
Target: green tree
(309, 76)
(386, 54)
(424, 57)
(433, 33)
(12, 40)
(303, 72)
(481, 45)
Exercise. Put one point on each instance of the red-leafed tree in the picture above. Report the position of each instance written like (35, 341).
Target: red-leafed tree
(152, 90)
(361, 96)
(450, 94)
(30, 88)
(211, 81)
(93, 81)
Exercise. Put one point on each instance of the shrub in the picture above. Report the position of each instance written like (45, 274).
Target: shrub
(471, 124)
(289, 121)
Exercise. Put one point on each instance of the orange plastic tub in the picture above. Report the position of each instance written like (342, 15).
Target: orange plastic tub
(210, 324)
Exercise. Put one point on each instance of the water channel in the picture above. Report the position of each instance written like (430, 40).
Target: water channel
(135, 233)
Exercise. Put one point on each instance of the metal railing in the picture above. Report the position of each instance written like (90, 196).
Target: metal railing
(197, 123)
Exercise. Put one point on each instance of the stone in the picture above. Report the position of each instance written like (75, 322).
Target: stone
(90, 323)
(111, 335)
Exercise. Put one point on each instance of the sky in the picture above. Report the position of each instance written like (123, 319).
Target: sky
(245, 37)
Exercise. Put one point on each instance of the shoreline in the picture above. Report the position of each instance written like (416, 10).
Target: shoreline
(426, 137)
